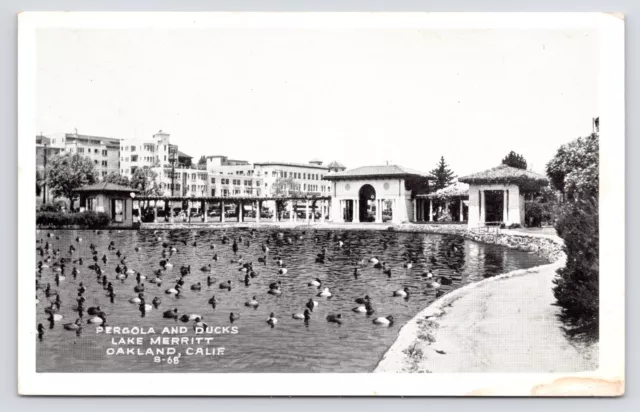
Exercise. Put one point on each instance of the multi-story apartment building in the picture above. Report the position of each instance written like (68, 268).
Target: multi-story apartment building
(104, 151)
(306, 178)
(154, 152)
(228, 177)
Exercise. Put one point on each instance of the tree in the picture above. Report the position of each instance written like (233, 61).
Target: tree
(202, 161)
(68, 172)
(444, 176)
(146, 181)
(282, 187)
(118, 179)
(516, 160)
(574, 170)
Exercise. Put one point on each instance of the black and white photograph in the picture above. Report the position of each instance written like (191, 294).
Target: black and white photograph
(401, 204)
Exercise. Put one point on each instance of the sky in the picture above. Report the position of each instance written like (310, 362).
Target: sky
(361, 97)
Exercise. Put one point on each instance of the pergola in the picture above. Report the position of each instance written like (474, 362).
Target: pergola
(164, 202)
(455, 192)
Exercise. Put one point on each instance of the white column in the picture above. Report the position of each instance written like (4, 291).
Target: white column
(505, 206)
(155, 211)
(482, 208)
(290, 207)
(461, 210)
(356, 210)
(415, 210)
(323, 207)
(222, 211)
(259, 206)
(430, 210)
(306, 211)
(275, 211)
(204, 211)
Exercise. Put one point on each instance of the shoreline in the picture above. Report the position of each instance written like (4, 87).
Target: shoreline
(506, 323)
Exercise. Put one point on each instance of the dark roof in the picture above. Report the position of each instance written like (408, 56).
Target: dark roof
(506, 174)
(336, 165)
(393, 171)
(307, 165)
(106, 187)
(183, 154)
(112, 140)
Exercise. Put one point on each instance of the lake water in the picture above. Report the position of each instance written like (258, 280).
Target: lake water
(292, 345)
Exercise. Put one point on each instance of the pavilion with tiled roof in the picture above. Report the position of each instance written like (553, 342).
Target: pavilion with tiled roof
(376, 193)
(114, 200)
(496, 195)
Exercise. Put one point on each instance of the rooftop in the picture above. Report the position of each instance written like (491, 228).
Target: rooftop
(89, 137)
(106, 187)
(457, 189)
(526, 179)
(306, 165)
(393, 171)
(336, 165)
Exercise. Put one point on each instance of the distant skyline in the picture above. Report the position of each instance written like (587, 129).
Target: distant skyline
(361, 97)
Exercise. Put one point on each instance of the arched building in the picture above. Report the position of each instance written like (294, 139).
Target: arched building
(376, 193)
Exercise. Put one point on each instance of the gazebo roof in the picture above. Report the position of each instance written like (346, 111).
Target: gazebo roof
(336, 165)
(385, 171)
(526, 179)
(457, 189)
(106, 187)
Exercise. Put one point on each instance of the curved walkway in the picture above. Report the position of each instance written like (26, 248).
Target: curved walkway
(502, 324)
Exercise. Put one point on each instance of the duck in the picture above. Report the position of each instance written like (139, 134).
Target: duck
(206, 268)
(402, 292)
(325, 293)
(225, 285)
(137, 299)
(94, 310)
(121, 276)
(387, 271)
(138, 288)
(331, 318)
(174, 290)
(428, 275)
(374, 260)
(129, 271)
(170, 314)
(311, 304)
(73, 326)
(434, 284)
(140, 277)
(198, 324)
(385, 321)
(408, 265)
(196, 286)
(210, 281)
(145, 307)
(156, 302)
(283, 271)
(168, 264)
(253, 303)
(233, 317)
(306, 315)
(445, 281)
(97, 320)
(190, 317)
(316, 282)
(363, 300)
(366, 308)
(212, 301)
(156, 281)
(275, 291)
(272, 320)
(378, 265)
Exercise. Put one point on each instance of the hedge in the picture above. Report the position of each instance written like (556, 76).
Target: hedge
(91, 220)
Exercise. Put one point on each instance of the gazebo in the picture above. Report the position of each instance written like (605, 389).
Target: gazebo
(455, 198)
(114, 200)
(376, 193)
(496, 195)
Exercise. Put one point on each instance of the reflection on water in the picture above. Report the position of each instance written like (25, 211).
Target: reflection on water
(292, 345)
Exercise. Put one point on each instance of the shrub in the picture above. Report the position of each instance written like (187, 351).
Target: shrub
(91, 220)
(577, 288)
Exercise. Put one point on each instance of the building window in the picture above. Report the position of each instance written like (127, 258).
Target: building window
(193, 176)
(104, 163)
(104, 153)
(274, 173)
(213, 180)
(177, 186)
(213, 192)
(80, 149)
(134, 158)
(95, 162)
(133, 148)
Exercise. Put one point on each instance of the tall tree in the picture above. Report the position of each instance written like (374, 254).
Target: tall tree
(146, 181)
(68, 172)
(444, 176)
(202, 161)
(118, 179)
(574, 170)
(514, 159)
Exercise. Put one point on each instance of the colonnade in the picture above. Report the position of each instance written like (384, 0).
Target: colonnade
(291, 208)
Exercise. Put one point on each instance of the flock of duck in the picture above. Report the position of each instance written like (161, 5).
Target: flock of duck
(83, 268)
